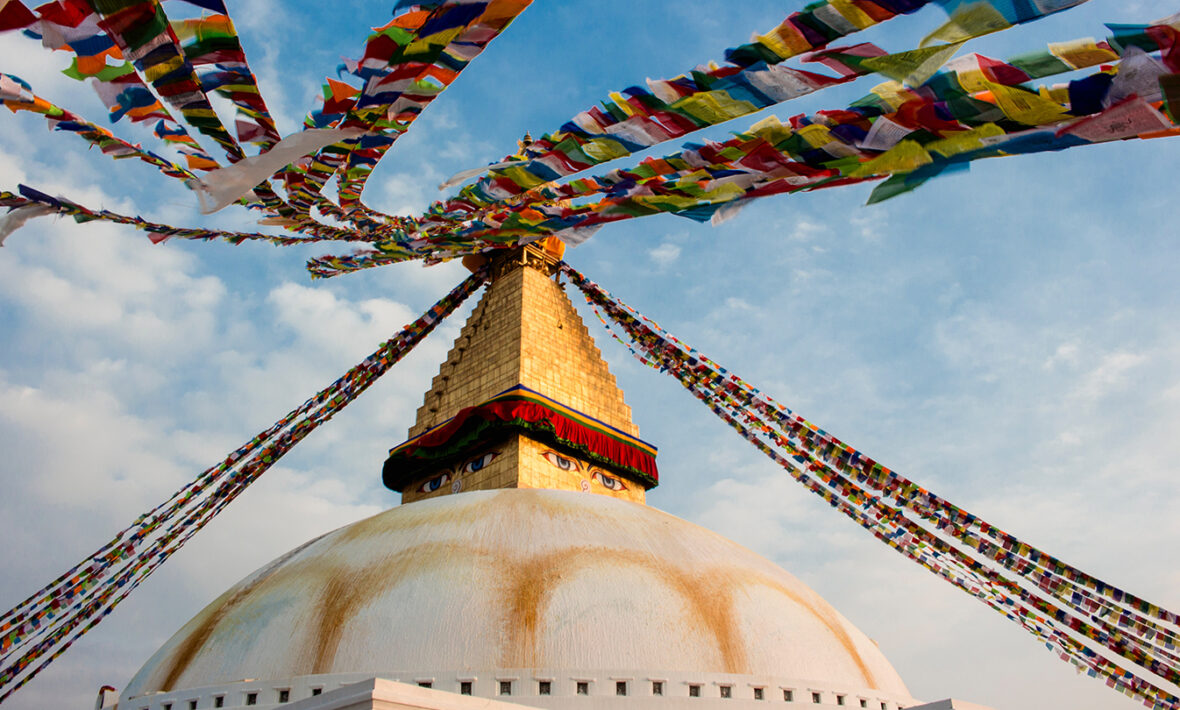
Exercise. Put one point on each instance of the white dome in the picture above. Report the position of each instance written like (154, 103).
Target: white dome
(519, 579)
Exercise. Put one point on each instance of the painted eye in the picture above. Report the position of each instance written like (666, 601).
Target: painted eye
(565, 464)
(610, 482)
(435, 483)
(478, 462)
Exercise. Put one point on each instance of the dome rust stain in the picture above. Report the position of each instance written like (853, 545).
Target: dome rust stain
(184, 654)
(530, 582)
(348, 590)
(825, 616)
(216, 612)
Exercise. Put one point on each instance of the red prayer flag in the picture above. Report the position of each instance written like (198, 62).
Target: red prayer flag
(14, 16)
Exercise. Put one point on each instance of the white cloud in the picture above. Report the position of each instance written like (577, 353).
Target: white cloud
(805, 230)
(405, 194)
(1066, 353)
(870, 222)
(1109, 375)
(323, 320)
(110, 282)
(665, 254)
(737, 304)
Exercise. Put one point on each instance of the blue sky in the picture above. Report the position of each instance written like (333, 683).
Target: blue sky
(1007, 337)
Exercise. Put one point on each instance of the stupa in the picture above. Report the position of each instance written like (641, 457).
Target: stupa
(523, 567)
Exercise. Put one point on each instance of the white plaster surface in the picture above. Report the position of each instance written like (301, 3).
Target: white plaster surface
(564, 583)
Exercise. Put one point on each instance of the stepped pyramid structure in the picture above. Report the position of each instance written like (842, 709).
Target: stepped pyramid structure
(524, 343)
(523, 568)
(525, 331)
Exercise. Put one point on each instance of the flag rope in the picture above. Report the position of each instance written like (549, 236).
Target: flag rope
(1082, 618)
(43, 626)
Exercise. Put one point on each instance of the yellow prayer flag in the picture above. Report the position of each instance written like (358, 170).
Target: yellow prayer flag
(893, 93)
(852, 13)
(200, 113)
(164, 68)
(964, 141)
(816, 135)
(521, 177)
(696, 176)
(904, 157)
(785, 41)
(771, 130)
(666, 203)
(971, 78)
(914, 67)
(970, 20)
(724, 193)
(621, 102)
(1080, 53)
(426, 45)
(1058, 94)
(604, 149)
(1026, 107)
(713, 107)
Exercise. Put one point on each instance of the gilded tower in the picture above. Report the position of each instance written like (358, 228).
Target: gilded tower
(523, 400)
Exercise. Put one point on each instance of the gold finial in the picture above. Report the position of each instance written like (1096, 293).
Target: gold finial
(544, 255)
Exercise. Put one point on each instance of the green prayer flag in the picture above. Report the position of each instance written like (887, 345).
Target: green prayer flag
(107, 74)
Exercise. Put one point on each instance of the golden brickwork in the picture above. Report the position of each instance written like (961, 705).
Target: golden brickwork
(524, 330)
(522, 462)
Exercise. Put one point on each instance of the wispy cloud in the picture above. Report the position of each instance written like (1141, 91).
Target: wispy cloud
(665, 254)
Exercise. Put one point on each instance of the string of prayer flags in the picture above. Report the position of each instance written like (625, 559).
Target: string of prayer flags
(652, 119)
(384, 51)
(17, 95)
(44, 625)
(61, 119)
(995, 69)
(213, 41)
(972, 18)
(638, 118)
(72, 26)
(406, 64)
(1088, 622)
(211, 45)
(156, 232)
(408, 61)
(142, 32)
(976, 107)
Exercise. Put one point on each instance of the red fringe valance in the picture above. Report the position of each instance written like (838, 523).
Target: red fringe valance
(521, 409)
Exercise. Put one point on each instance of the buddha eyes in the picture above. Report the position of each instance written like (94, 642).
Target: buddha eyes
(454, 476)
(478, 462)
(565, 464)
(435, 483)
(609, 482)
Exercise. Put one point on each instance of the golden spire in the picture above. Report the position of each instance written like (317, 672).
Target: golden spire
(525, 334)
